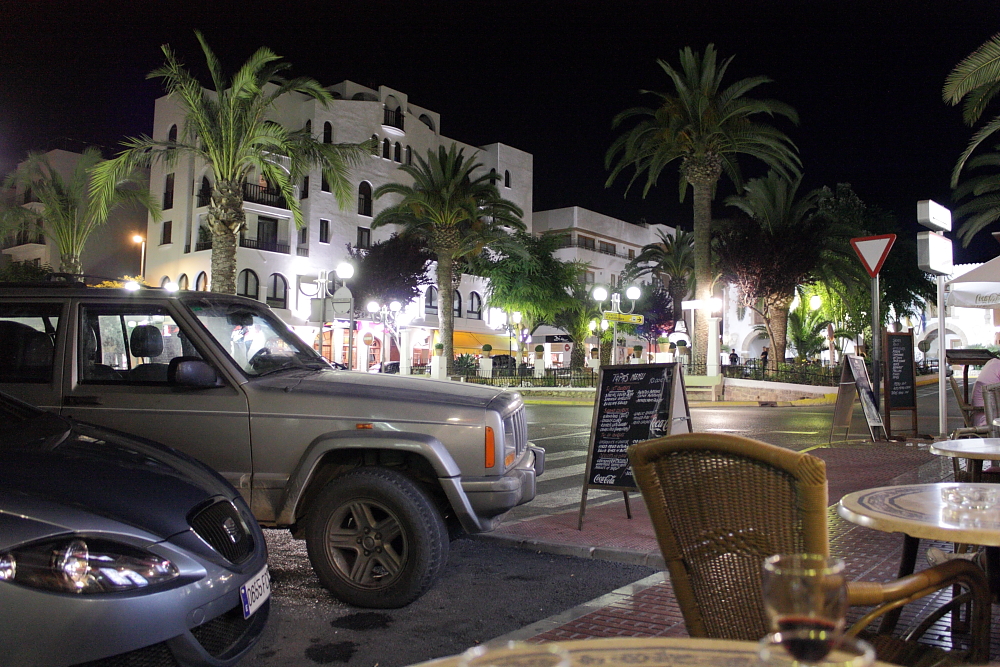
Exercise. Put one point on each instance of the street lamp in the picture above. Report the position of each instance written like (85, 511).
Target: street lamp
(138, 238)
(345, 271)
(601, 295)
(387, 315)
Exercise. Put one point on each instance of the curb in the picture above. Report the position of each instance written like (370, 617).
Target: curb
(627, 556)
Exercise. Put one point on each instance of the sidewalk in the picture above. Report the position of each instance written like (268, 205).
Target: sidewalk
(647, 608)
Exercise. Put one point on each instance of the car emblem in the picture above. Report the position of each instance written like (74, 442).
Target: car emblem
(231, 530)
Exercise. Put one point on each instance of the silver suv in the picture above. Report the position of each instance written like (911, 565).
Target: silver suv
(374, 471)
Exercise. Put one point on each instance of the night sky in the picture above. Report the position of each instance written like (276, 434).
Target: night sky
(545, 76)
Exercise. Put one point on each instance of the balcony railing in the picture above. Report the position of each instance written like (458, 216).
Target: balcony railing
(392, 118)
(302, 252)
(261, 195)
(265, 245)
(575, 243)
(205, 197)
(202, 245)
(23, 238)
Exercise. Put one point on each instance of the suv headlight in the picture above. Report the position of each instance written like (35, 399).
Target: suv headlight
(77, 565)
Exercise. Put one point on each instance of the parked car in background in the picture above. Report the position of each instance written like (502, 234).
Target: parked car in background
(113, 546)
(390, 367)
(374, 471)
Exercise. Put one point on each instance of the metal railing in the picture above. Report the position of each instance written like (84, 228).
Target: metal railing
(302, 252)
(576, 243)
(270, 246)
(392, 118)
(204, 197)
(260, 195)
(22, 237)
(202, 245)
(525, 377)
(809, 373)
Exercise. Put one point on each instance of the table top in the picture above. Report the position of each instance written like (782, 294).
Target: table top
(652, 652)
(971, 448)
(918, 511)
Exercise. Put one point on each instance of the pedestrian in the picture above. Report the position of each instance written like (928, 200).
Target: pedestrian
(989, 375)
(734, 358)
(763, 357)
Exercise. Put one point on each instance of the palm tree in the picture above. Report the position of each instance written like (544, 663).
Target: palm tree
(575, 320)
(455, 211)
(705, 127)
(983, 189)
(672, 259)
(229, 130)
(807, 332)
(65, 207)
(782, 243)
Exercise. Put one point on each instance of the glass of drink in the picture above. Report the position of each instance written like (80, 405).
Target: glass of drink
(805, 596)
(778, 649)
(515, 654)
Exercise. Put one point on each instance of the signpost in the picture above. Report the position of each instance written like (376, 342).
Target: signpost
(873, 250)
(612, 316)
(934, 255)
(634, 403)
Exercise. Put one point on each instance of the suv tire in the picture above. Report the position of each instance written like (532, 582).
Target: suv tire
(375, 538)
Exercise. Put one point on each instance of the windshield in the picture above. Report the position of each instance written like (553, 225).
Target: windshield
(257, 341)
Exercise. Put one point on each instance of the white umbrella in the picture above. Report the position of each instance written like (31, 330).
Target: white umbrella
(979, 288)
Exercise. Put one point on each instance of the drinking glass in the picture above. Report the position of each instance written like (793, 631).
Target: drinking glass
(805, 596)
(773, 651)
(515, 654)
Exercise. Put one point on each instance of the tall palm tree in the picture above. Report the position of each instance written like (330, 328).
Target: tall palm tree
(229, 129)
(807, 332)
(782, 243)
(65, 210)
(672, 259)
(457, 212)
(705, 127)
(575, 320)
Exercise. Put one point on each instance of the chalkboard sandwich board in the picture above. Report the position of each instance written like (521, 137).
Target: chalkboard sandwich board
(634, 403)
(900, 383)
(854, 378)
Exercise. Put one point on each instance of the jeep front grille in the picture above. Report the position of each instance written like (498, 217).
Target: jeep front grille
(515, 426)
(221, 525)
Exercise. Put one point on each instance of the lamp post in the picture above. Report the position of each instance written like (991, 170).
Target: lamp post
(601, 295)
(138, 238)
(345, 271)
(387, 316)
(710, 306)
(514, 324)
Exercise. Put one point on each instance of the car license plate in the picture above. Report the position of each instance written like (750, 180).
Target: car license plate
(255, 592)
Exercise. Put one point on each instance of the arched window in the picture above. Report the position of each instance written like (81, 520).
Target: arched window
(506, 178)
(456, 305)
(397, 153)
(431, 301)
(327, 132)
(409, 155)
(247, 284)
(172, 133)
(475, 306)
(374, 144)
(205, 192)
(201, 282)
(182, 282)
(164, 280)
(427, 120)
(386, 149)
(277, 291)
(493, 177)
(309, 127)
(365, 199)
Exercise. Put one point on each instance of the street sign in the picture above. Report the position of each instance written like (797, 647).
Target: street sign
(612, 316)
(368, 338)
(873, 250)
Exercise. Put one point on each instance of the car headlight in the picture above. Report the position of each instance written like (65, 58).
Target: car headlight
(84, 566)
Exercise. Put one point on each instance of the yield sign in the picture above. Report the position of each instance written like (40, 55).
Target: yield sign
(873, 250)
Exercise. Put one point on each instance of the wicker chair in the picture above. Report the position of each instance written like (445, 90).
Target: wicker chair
(720, 504)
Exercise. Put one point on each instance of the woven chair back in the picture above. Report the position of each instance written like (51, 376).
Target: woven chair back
(963, 407)
(720, 505)
(991, 406)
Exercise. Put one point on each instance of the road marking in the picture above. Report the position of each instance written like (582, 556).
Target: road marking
(569, 498)
(556, 437)
(726, 430)
(564, 471)
(796, 432)
(558, 456)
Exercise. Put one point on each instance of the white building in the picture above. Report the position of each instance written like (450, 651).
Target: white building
(278, 263)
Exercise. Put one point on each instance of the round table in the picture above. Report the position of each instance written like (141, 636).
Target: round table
(651, 652)
(976, 450)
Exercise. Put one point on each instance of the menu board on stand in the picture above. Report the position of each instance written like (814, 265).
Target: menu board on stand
(634, 403)
(854, 378)
(899, 385)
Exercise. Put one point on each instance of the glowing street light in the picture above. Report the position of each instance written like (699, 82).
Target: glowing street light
(138, 238)
(601, 294)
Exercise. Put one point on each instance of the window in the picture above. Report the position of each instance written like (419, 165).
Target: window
(327, 133)
(613, 280)
(506, 179)
(305, 187)
(130, 344)
(386, 149)
(201, 282)
(431, 301)
(493, 177)
(168, 192)
(456, 306)
(588, 277)
(324, 231)
(364, 237)
(205, 192)
(304, 235)
(631, 253)
(365, 199)
(427, 120)
(277, 291)
(409, 155)
(397, 152)
(166, 231)
(324, 184)
(586, 242)
(309, 127)
(607, 248)
(28, 333)
(182, 282)
(164, 281)
(374, 144)
(475, 306)
(247, 284)
(172, 133)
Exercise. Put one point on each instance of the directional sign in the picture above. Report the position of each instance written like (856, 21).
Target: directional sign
(873, 250)
(612, 316)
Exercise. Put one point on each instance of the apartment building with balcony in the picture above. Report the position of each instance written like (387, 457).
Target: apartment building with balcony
(278, 262)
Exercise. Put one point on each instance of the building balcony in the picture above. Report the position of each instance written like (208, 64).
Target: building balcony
(302, 252)
(257, 194)
(392, 118)
(572, 243)
(22, 238)
(202, 245)
(270, 246)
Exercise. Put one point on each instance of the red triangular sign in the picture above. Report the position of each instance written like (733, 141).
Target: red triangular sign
(873, 250)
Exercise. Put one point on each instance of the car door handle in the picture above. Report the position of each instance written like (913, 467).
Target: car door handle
(81, 400)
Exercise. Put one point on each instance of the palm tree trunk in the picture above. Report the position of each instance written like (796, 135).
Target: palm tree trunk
(446, 314)
(702, 263)
(778, 328)
(70, 263)
(226, 219)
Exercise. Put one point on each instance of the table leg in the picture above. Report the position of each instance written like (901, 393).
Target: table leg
(907, 561)
(975, 470)
(993, 570)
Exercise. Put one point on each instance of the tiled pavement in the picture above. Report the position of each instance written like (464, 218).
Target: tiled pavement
(648, 607)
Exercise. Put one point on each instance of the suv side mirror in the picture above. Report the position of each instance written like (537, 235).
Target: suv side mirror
(192, 372)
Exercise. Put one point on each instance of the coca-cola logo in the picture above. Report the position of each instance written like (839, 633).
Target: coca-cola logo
(658, 425)
(604, 479)
(988, 298)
